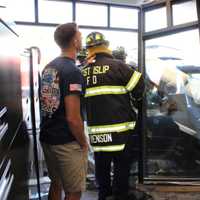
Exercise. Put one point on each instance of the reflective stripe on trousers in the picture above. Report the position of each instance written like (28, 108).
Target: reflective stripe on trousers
(110, 148)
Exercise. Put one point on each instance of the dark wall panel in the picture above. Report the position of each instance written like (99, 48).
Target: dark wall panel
(10, 82)
(11, 115)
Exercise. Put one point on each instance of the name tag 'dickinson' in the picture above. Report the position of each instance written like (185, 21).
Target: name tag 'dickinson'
(104, 138)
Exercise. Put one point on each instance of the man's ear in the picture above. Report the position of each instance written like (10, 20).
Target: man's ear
(75, 42)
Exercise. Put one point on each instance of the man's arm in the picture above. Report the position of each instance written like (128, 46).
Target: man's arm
(73, 117)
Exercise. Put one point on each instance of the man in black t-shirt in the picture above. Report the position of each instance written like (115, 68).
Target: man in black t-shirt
(62, 133)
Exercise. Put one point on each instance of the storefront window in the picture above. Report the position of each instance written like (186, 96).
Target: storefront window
(91, 15)
(128, 40)
(22, 10)
(41, 37)
(124, 17)
(55, 11)
(184, 12)
(173, 100)
(155, 19)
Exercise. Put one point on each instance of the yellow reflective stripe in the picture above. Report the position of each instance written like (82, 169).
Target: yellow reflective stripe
(109, 148)
(133, 81)
(121, 127)
(101, 90)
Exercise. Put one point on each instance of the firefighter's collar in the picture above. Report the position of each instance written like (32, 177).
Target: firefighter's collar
(97, 50)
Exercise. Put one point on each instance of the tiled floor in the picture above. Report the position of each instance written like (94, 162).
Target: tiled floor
(92, 195)
(185, 194)
(168, 192)
(176, 196)
(89, 195)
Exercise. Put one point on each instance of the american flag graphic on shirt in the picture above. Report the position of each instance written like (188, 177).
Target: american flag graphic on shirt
(75, 87)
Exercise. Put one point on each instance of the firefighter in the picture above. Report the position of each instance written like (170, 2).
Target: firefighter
(120, 53)
(111, 121)
(81, 58)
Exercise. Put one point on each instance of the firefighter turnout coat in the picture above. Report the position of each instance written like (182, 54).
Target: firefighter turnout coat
(110, 117)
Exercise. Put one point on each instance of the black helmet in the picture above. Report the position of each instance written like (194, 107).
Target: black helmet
(119, 53)
(95, 39)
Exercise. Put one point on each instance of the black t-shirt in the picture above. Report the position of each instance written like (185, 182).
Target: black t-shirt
(59, 78)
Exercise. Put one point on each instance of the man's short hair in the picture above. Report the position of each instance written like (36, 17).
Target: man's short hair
(64, 34)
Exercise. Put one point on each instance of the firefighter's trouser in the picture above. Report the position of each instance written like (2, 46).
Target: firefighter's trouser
(119, 186)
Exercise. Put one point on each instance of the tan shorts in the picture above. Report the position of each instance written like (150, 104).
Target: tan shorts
(67, 164)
